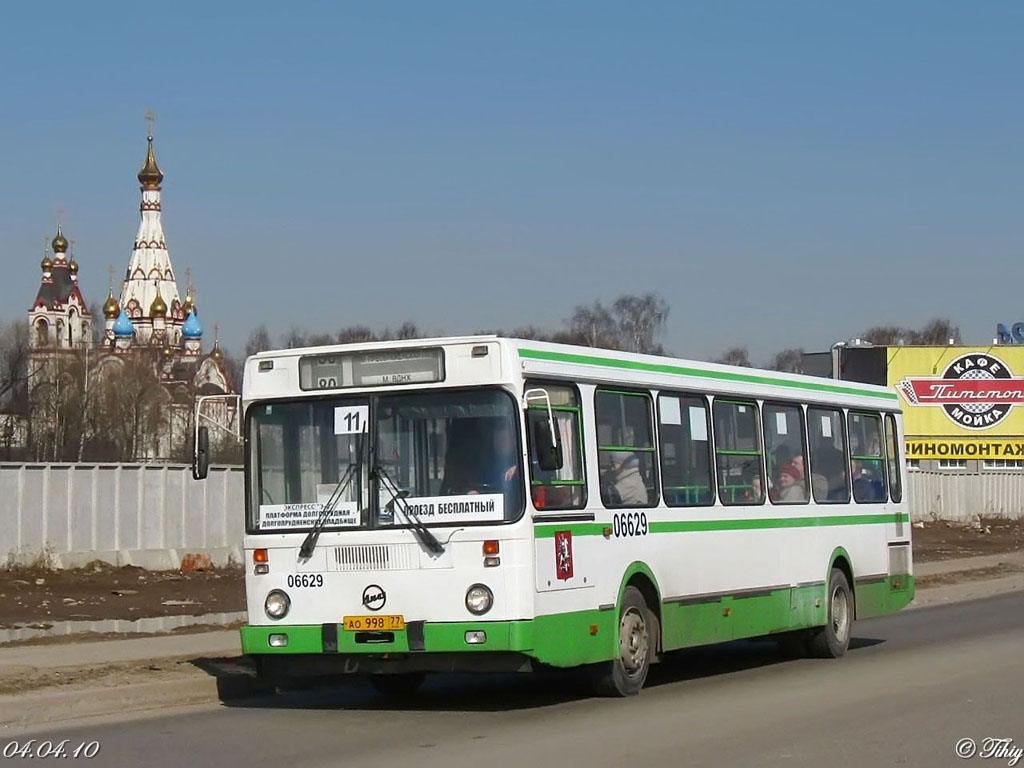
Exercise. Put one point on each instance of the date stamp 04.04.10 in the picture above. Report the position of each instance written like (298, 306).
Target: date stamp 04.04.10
(48, 748)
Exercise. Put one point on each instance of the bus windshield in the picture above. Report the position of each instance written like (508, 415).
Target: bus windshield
(455, 458)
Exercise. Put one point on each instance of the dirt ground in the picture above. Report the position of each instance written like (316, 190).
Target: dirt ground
(38, 597)
(944, 541)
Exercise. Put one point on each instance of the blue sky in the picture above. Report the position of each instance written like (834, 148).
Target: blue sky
(784, 174)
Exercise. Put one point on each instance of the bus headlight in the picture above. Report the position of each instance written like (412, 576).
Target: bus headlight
(479, 599)
(277, 604)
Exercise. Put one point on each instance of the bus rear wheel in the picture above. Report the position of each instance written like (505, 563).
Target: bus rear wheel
(625, 675)
(399, 686)
(832, 640)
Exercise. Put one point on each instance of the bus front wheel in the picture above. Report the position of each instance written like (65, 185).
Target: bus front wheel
(626, 673)
(832, 640)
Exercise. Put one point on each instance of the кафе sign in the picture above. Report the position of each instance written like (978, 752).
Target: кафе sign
(960, 402)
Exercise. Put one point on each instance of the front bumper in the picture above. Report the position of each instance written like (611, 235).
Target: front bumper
(561, 640)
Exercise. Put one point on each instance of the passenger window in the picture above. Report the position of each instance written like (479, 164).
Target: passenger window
(564, 488)
(892, 449)
(867, 464)
(738, 453)
(785, 453)
(625, 449)
(683, 429)
(828, 456)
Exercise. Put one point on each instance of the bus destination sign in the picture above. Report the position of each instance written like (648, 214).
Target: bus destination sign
(371, 369)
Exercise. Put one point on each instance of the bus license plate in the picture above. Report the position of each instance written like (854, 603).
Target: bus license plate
(373, 623)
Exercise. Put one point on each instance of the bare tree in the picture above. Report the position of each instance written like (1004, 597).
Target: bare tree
(937, 331)
(129, 409)
(354, 334)
(735, 356)
(641, 320)
(233, 368)
(887, 335)
(258, 341)
(789, 360)
(408, 330)
(294, 339)
(14, 352)
(594, 326)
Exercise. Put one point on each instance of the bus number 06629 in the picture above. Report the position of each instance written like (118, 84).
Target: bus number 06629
(629, 524)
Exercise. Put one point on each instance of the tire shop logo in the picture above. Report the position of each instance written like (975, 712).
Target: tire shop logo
(977, 390)
(374, 597)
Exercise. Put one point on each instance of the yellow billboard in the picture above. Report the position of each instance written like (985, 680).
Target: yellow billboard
(969, 394)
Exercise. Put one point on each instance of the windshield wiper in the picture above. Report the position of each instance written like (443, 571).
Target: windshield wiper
(422, 532)
(309, 543)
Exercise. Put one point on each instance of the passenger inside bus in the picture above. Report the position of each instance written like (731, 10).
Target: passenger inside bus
(790, 484)
(624, 484)
(828, 464)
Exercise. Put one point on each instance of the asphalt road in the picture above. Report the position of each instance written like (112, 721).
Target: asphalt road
(912, 685)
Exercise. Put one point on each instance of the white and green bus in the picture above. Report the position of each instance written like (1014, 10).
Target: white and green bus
(495, 504)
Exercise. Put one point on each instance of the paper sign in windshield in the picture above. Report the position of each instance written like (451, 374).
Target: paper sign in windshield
(282, 516)
(477, 507)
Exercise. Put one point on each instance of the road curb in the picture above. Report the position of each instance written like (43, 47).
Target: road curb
(947, 594)
(50, 706)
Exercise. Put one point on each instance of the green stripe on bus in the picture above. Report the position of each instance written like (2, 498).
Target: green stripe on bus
(566, 357)
(547, 530)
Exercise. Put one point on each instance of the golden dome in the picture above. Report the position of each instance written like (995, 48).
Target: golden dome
(73, 266)
(215, 353)
(60, 243)
(150, 176)
(190, 304)
(46, 264)
(111, 309)
(159, 307)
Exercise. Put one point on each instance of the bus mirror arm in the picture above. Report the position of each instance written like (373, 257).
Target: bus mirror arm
(201, 455)
(545, 441)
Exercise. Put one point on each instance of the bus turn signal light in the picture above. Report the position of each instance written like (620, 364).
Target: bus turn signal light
(259, 555)
(491, 547)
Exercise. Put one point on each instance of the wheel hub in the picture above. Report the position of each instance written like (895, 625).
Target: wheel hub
(840, 614)
(634, 641)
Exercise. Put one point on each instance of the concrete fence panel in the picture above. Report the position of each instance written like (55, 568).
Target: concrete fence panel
(150, 515)
(962, 496)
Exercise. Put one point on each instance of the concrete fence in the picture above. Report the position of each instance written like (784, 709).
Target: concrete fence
(961, 495)
(151, 515)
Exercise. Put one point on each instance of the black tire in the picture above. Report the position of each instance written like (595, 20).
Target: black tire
(625, 675)
(832, 640)
(400, 686)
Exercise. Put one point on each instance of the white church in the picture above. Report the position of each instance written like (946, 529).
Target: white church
(146, 322)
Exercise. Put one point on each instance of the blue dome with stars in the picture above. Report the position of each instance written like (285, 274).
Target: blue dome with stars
(123, 326)
(192, 329)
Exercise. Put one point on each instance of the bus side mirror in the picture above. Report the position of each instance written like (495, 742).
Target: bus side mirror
(548, 452)
(201, 457)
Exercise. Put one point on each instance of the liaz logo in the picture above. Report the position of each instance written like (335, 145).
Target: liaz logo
(374, 597)
(976, 390)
